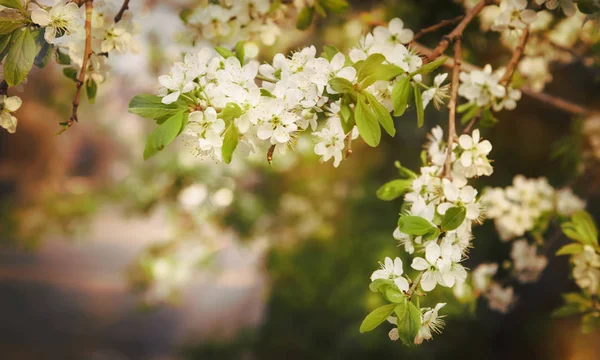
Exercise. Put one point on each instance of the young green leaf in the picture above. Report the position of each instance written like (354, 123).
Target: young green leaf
(70, 73)
(329, 51)
(400, 95)
(376, 317)
(429, 67)
(453, 217)
(409, 321)
(367, 124)
(472, 111)
(570, 249)
(91, 89)
(19, 60)
(380, 285)
(232, 111)
(336, 6)
(415, 225)
(226, 53)
(394, 189)
(487, 118)
(305, 18)
(393, 295)
(419, 105)
(44, 55)
(341, 85)
(382, 114)
(240, 52)
(165, 134)
(369, 66)
(8, 25)
(348, 121)
(230, 142)
(13, 4)
(62, 58)
(151, 107)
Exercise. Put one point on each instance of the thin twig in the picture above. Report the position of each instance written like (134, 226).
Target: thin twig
(516, 57)
(447, 172)
(551, 100)
(124, 8)
(436, 27)
(471, 123)
(270, 154)
(89, 8)
(457, 32)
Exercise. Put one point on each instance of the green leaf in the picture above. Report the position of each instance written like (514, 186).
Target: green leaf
(341, 85)
(367, 124)
(265, 92)
(70, 73)
(8, 25)
(226, 53)
(409, 322)
(91, 89)
(586, 224)
(415, 225)
(464, 107)
(44, 55)
(487, 118)
(394, 189)
(230, 142)
(570, 249)
(151, 107)
(590, 322)
(336, 6)
(565, 310)
(368, 66)
(394, 295)
(305, 18)
(400, 95)
(453, 217)
(348, 121)
(429, 67)
(376, 317)
(380, 285)
(240, 52)
(13, 4)
(184, 14)
(329, 51)
(404, 171)
(19, 59)
(232, 111)
(62, 58)
(432, 235)
(4, 41)
(382, 114)
(165, 134)
(419, 105)
(473, 110)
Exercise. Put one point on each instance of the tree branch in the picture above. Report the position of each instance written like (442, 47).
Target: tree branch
(436, 27)
(447, 172)
(516, 57)
(551, 100)
(457, 32)
(124, 8)
(89, 8)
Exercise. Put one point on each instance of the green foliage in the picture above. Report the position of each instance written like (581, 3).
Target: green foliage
(20, 57)
(415, 225)
(419, 105)
(487, 118)
(581, 228)
(240, 53)
(151, 107)
(226, 53)
(305, 18)
(91, 89)
(231, 112)
(368, 67)
(230, 142)
(394, 189)
(570, 249)
(429, 67)
(341, 85)
(70, 73)
(469, 110)
(382, 114)
(409, 321)
(367, 123)
(329, 51)
(306, 15)
(405, 172)
(401, 95)
(453, 217)
(165, 133)
(13, 4)
(376, 317)
(62, 58)
(8, 25)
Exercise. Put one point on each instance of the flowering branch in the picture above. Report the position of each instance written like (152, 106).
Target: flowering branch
(124, 8)
(436, 27)
(516, 57)
(89, 8)
(547, 99)
(457, 32)
(447, 172)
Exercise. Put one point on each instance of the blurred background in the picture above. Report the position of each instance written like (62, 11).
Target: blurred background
(105, 256)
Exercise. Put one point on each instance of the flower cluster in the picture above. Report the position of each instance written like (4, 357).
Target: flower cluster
(586, 269)
(482, 88)
(513, 16)
(436, 224)
(520, 208)
(527, 264)
(235, 103)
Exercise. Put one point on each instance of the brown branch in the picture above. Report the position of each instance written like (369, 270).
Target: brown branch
(471, 123)
(270, 154)
(457, 32)
(124, 8)
(551, 100)
(447, 172)
(89, 8)
(514, 61)
(436, 27)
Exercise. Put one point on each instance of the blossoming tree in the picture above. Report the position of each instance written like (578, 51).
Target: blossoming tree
(224, 103)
